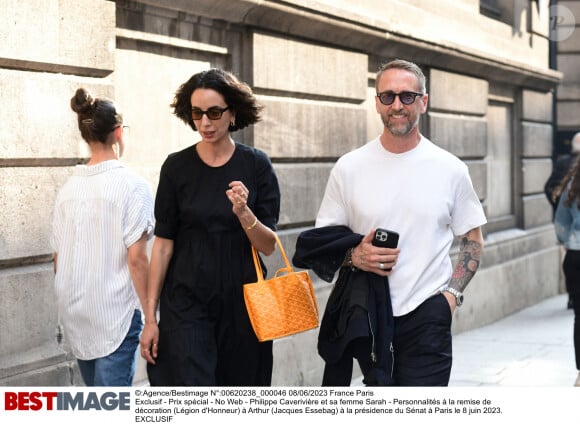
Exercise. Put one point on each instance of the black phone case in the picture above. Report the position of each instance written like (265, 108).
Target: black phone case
(385, 238)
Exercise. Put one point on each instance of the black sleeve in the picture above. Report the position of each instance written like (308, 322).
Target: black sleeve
(267, 205)
(166, 205)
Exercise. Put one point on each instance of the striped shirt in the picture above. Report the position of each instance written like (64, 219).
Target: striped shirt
(100, 212)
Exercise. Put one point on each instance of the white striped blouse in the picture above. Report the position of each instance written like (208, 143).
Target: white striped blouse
(100, 211)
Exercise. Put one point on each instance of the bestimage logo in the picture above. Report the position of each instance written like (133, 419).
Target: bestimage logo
(66, 401)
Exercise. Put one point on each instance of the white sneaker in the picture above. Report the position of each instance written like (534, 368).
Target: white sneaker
(577, 380)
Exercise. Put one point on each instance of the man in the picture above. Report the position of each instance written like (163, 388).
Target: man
(402, 182)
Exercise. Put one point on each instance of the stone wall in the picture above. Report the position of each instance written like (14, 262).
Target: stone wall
(567, 60)
(47, 50)
(312, 65)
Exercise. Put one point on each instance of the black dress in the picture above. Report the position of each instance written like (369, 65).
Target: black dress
(205, 334)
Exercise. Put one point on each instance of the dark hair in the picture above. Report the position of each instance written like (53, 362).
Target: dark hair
(403, 65)
(572, 177)
(97, 118)
(237, 95)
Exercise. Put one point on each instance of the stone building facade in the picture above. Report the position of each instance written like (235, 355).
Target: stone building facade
(312, 64)
(566, 58)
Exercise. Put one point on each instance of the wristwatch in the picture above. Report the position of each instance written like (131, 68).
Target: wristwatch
(458, 295)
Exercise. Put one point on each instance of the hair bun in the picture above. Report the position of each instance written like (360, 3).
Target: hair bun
(82, 101)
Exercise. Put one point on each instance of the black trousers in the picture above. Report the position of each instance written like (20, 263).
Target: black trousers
(423, 344)
(422, 349)
(340, 373)
(571, 267)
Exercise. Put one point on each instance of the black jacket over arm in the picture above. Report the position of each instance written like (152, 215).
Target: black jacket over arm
(359, 304)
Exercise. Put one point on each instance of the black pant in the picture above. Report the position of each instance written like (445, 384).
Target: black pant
(340, 373)
(423, 345)
(571, 267)
(422, 349)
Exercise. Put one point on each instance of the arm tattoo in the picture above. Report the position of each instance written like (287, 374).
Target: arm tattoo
(467, 262)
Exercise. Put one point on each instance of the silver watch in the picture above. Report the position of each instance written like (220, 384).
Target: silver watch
(458, 295)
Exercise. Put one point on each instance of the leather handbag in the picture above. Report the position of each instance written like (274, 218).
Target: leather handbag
(282, 305)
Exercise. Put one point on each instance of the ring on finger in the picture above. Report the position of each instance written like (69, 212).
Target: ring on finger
(382, 265)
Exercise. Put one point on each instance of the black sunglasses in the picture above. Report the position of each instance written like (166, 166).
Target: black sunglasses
(406, 97)
(214, 113)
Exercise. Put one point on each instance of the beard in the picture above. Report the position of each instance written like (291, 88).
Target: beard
(399, 128)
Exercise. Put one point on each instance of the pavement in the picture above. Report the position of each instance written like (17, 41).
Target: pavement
(533, 347)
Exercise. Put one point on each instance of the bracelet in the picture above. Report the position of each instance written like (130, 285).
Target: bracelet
(348, 259)
(253, 225)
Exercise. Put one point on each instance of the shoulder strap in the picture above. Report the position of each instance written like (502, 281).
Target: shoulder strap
(258, 265)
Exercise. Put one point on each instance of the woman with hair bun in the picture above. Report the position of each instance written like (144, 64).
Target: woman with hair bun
(103, 218)
(215, 200)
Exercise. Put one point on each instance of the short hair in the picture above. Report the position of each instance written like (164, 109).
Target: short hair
(404, 65)
(97, 118)
(237, 95)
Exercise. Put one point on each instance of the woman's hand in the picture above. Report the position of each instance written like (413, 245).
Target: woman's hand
(148, 342)
(260, 236)
(238, 195)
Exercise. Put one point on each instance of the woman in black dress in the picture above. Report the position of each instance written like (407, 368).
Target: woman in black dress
(214, 200)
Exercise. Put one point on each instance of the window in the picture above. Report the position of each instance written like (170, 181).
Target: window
(489, 8)
(501, 187)
(501, 10)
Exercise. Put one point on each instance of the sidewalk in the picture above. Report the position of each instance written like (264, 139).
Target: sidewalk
(533, 347)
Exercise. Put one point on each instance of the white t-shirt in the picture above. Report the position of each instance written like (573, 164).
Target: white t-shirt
(100, 212)
(425, 195)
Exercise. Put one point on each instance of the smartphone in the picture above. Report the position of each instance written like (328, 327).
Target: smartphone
(385, 238)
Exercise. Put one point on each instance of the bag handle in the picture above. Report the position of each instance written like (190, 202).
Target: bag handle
(258, 265)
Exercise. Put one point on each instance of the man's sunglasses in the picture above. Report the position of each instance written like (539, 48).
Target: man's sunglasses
(406, 97)
(212, 113)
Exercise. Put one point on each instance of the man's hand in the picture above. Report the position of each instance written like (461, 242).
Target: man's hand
(379, 260)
